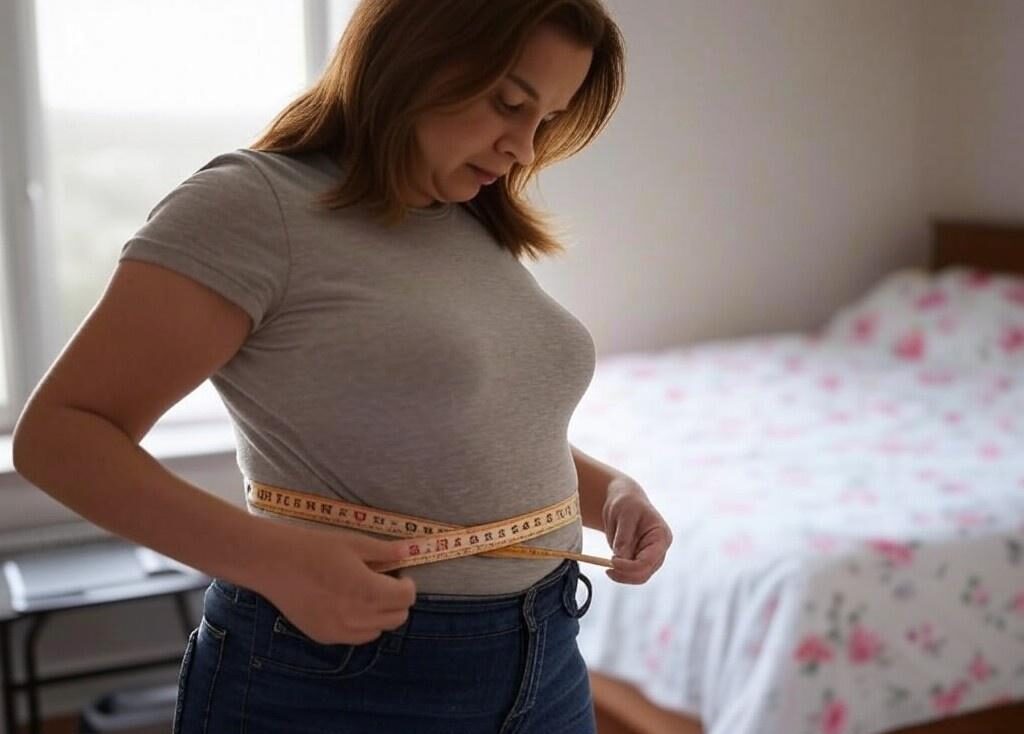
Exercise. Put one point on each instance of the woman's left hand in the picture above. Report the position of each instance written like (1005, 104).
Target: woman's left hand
(637, 534)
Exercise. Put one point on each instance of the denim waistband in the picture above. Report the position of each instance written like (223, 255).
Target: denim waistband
(434, 613)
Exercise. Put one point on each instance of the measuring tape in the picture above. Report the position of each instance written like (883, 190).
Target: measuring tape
(429, 541)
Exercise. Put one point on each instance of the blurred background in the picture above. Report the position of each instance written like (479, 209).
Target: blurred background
(769, 161)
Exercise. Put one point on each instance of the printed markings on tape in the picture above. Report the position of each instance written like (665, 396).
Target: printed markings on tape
(429, 541)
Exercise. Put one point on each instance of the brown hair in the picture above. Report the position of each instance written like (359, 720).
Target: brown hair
(362, 109)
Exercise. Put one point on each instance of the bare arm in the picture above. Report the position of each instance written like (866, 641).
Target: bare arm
(596, 480)
(90, 465)
(153, 336)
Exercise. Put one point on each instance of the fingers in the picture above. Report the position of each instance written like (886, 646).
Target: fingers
(375, 624)
(637, 575)
(374, 549)
(359, 635)
(393, 620)
(390, 593)
(623, 568)
(621, 543)
(637, 570)
(380, 590)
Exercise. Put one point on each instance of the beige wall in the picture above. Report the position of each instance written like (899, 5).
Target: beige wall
(972, 131)
(763, 168)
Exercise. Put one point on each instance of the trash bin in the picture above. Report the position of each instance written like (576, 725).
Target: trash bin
(140, 710)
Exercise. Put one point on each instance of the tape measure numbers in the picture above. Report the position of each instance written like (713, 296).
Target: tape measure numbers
(429, 541)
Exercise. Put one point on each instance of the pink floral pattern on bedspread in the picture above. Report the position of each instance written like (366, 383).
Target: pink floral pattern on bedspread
(848, 514)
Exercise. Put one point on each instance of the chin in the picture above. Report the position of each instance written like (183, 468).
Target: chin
(459, 198)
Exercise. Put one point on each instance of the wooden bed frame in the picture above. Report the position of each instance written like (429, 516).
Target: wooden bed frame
(622, 709)
(995, 246)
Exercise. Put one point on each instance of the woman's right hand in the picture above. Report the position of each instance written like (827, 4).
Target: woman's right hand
(322, 580)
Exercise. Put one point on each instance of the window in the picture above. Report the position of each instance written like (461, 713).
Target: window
(110, 106)
(132, 98)
(5, 399)
(137, 96)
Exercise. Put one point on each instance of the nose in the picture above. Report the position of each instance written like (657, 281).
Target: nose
(518, 141)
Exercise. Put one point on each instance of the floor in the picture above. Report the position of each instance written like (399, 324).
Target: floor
(69, 725)
(56, 726)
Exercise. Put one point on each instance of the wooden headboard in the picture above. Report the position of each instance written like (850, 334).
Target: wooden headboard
(995, 246)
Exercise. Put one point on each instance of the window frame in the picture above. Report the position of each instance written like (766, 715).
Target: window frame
(28, 315)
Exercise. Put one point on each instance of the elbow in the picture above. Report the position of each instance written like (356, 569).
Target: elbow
(27, 440)
(21, 451)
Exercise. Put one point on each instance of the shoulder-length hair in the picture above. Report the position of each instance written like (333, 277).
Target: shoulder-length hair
(362, 109)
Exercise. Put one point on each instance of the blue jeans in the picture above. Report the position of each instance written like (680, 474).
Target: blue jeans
(505, 664)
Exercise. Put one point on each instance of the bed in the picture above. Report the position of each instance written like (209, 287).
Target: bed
(848, 514)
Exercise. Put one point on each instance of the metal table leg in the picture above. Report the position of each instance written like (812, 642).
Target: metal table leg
(32, 687)
(10, 710)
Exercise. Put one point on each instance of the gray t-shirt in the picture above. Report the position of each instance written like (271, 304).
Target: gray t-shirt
(419, 369)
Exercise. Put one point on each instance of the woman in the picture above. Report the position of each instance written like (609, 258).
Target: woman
(351, 285)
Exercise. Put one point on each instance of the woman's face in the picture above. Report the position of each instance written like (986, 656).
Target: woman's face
(497, 130)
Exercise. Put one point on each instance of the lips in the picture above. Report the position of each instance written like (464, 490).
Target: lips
(485, 176)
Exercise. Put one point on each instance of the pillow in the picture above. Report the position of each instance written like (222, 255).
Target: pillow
(958, 316)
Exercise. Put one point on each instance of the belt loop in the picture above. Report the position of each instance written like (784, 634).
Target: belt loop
(569, 591)
(529, 615)
(590, 595)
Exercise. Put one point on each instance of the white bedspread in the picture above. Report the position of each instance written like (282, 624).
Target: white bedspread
(849, 534)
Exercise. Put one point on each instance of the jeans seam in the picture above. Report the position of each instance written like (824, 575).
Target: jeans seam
(248, 673)
(340, 674)
(508, 631)
(523, 694)
(542, 631)
(234, 595)
(221, 635)
(186, 663)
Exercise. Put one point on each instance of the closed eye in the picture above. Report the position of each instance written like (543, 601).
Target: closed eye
(508, 107)
(512, 109)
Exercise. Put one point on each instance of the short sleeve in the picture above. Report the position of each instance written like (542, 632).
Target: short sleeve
(223, 227)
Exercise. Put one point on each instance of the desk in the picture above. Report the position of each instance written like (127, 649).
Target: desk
(44, 582)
